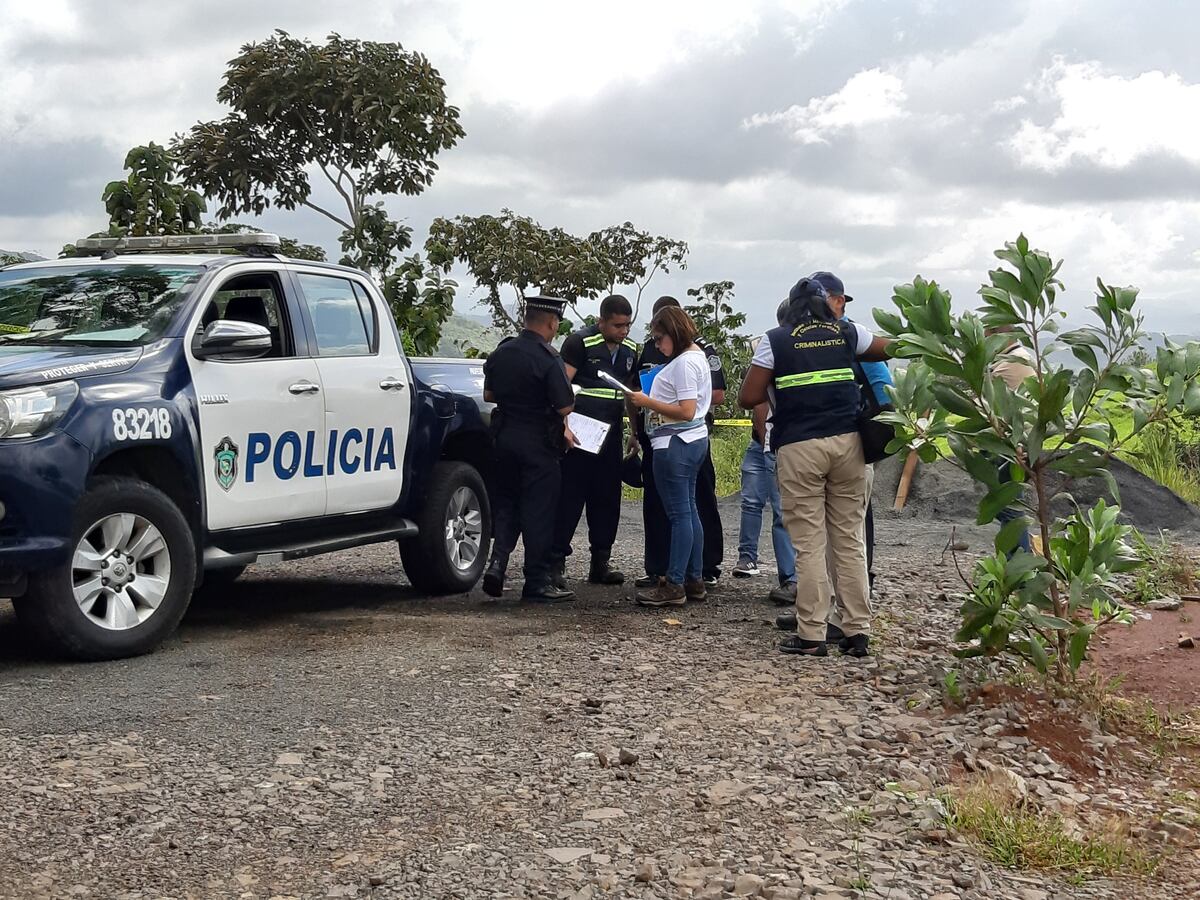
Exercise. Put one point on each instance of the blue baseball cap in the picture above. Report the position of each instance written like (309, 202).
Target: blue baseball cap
(832, 284)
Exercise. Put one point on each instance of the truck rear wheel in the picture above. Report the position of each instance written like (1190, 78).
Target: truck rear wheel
(449, 552)
(129, 579)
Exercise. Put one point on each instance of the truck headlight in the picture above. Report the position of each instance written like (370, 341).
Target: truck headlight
(26, 412)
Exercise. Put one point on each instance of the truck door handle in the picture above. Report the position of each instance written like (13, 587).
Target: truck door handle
(392, 384)
(304, 387)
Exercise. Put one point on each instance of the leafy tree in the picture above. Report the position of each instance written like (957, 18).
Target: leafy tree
(636, 256)
(1059, 423)
(516, 252)
(10, 259)
(370, 117)
(149, 201)
(718, 323)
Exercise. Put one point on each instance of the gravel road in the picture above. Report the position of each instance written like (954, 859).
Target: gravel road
(319, 730)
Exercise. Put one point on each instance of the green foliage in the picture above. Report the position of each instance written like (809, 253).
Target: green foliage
(1170, 454)
(10, 259)
(636, 256)
(371, 117)
(149, 201)
(514, 251)
(1043, 609)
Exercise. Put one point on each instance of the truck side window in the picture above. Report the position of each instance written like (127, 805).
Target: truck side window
(336, 315)
(255, 299)
(367, 308)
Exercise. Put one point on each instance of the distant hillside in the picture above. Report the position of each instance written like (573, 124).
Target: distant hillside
(469, 330)
(25, 255)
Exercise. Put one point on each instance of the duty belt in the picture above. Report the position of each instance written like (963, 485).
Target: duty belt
(805, 379)
(600, 393)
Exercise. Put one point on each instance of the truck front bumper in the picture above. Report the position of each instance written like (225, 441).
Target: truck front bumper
(41, 481)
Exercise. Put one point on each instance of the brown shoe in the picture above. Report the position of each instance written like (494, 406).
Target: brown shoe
(695, 591)
(666, 594)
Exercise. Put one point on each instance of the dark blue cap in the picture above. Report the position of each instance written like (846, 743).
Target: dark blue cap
(832, 284)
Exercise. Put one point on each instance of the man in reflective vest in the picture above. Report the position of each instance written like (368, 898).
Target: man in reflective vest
(593, 480)
(807, 365)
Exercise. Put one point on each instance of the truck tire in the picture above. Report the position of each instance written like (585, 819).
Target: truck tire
(128, 582)
(449, 552)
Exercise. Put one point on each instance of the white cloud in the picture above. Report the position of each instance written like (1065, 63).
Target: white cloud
(1110, 120)
(867, 98)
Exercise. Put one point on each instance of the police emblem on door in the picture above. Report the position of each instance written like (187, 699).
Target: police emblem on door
(226, 457)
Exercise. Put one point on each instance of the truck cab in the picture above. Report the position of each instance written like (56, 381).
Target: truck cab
(175, 409)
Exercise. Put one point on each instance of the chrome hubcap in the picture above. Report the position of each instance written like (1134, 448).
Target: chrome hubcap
(464, 529)
(121, 571)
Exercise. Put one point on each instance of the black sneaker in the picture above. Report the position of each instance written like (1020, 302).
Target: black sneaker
(711, 580)
(786, 622)
(546, 594)
(648, 581)
(558, 575)
(800, 647)
(855, 646)
(833, 634)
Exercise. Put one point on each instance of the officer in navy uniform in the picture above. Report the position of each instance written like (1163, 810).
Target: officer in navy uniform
(593, 480)
(654, 517)
(526, 380)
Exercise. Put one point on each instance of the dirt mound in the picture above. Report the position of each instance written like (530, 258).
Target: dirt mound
(944, 493)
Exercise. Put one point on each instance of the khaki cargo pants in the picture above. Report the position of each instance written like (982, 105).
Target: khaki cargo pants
(836, 606)
(823, 486)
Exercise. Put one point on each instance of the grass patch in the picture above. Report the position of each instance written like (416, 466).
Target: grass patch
(1136, 716)
(1019, 836)
(1167, 455)
(1168, 569)
(727, 444)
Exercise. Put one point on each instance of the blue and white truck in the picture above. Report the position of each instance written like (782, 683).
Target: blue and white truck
(173, 409)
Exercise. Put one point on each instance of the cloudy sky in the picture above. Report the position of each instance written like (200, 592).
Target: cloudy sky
(877, 139)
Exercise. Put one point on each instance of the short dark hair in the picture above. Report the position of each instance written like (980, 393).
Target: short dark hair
(615, 305)
(537, 316)
(666, 301)
(677, 325)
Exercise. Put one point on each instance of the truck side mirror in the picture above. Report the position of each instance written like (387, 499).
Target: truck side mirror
(230, 339)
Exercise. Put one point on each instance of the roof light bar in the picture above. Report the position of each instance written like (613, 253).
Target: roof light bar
(168, 242)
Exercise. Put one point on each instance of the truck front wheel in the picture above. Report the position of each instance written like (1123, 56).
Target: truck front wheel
(129, 579)
(449, 552)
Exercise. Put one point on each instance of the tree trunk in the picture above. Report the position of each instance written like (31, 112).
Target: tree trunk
(1060, 610)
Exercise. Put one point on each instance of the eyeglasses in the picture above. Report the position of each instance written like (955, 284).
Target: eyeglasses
(658, 338)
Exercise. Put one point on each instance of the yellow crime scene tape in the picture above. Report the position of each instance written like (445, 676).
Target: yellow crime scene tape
(736, 423)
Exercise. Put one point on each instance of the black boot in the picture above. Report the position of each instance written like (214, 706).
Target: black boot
(558, 575)
(493, 578)
(546, 593)
(603, 573)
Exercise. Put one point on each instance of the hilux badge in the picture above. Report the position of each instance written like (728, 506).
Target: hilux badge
(226, 456)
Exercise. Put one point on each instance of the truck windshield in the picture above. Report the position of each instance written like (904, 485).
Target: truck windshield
(90, 304)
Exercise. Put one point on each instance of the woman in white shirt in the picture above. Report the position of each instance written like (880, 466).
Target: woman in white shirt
(678, 401)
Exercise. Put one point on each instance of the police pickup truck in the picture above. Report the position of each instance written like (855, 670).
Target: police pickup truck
(171, 412)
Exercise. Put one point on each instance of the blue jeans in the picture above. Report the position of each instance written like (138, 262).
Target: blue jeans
(759, 486)
(675, 472)
(1010, 513)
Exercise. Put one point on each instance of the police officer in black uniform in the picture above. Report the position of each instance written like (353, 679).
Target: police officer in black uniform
(526, 380)
(654, 517)
(593, 480)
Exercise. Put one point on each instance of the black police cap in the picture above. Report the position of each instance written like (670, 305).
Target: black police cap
(546, 304)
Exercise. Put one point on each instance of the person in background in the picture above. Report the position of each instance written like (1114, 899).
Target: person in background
(593, 480)
(654, 517)
(759, 487)
(526, 380)
(677, 405)
(808, 365)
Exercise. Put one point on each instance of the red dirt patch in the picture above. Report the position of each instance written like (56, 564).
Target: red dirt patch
(1056, 731)
(1147, 658)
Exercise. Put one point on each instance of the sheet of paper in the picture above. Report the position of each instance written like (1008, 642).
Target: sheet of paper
(618, 385)
(588, 431)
